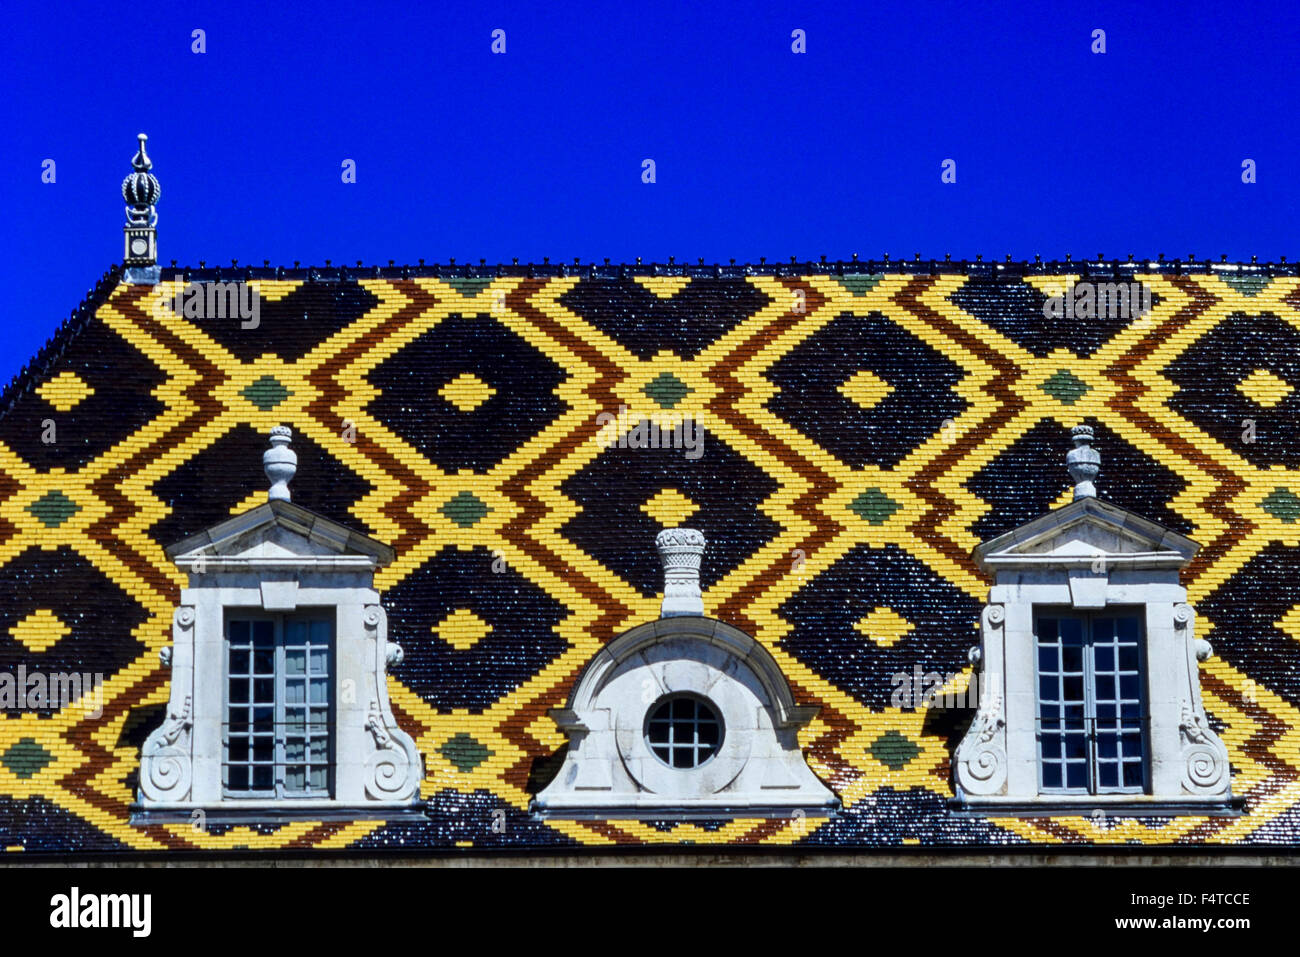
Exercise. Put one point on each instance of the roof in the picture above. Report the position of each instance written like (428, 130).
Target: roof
(865, 426)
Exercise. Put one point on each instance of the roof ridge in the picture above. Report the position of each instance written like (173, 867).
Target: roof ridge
(607, 270)
(33, 372)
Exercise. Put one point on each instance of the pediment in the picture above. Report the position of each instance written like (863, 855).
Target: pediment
(1082, 531)
(279, 533)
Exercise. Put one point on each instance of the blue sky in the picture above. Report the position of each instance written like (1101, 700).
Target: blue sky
(759, 151)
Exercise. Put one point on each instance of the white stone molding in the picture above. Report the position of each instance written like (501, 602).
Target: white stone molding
(166, 761)
(1205, 764)
(609, 770)
(393, 766)
(981, 758)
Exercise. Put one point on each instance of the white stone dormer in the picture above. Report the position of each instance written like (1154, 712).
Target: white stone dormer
(279, 702)
(1091, 689)
(685, 716)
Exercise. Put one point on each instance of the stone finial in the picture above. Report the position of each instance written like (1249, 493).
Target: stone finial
(280, 463)
(1084, 462)
(680, 550)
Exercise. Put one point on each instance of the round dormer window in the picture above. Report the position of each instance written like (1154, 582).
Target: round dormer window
(683, 731)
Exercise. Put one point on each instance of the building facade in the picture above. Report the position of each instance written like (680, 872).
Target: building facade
(883, 609)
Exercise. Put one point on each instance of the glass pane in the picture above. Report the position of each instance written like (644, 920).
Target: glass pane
(295, 661)
(319, 751)
(1105, 687)
(1073, 687)
(263, 778)
(238, 662)
(238, 691)
(263, 749)
(1131, 686)
(1076, 775)
(319, 659)
(238, 632)
(319, 778)
(295, 691)
(319, 691)
(264, 661)
(237, 778)
(263, 633)
(264, 690)
(1051, 775)
(321, 632)
(295, 632)
(295, 777)
(295, 750)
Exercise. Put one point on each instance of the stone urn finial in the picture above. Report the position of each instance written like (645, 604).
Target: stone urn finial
(680, 550)
(1084, 462)
(280, 463)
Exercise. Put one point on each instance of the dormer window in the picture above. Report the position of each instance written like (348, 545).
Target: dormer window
(683, 717)
(1091, 690)
(279, 698)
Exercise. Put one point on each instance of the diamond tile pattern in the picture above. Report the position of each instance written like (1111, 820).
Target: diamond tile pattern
(861, 434)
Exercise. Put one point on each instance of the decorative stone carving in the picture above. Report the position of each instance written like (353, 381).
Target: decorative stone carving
(393, 766)
(680, 550)
(980, 762)
(1083, 462)
(166, 768)
(1205, 765)
(280, 463)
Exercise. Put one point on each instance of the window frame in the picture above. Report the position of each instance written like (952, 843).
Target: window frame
(1088, 620)
(279, 790)
(695, 747)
